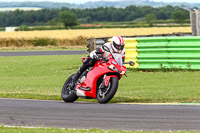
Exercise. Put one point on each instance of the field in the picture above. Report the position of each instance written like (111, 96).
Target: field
(73, 38)
(42, 77)
(73, 34)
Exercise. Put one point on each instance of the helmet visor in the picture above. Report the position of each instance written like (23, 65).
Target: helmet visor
(118, 47)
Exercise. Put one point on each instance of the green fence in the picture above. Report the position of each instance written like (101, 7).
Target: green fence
(165, 52)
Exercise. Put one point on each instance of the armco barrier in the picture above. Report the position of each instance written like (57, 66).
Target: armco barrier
(167, 52)
(94, 43)
(131, 51)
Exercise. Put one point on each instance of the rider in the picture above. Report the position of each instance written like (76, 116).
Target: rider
(116, 46)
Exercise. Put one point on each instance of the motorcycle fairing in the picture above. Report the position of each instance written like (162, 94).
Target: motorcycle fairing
(106, 80)
(91, 80)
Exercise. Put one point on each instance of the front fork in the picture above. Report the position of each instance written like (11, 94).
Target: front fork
(105, 85)
(106, 80)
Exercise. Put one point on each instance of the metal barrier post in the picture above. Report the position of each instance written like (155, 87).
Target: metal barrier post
(195, 22)
(91, 44)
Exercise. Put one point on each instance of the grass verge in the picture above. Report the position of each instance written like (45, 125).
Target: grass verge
(42, 77)
(59, 130)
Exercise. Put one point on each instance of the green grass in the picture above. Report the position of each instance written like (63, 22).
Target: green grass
(37, 77)
(42, 77)
(179, 86)
(59, 130)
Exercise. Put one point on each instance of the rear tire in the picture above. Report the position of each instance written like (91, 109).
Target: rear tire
(106, 94)
(68, 94)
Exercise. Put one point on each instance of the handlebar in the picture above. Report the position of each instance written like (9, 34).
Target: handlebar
(131, 63)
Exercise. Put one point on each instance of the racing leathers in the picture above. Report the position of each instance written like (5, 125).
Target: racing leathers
(95, 54)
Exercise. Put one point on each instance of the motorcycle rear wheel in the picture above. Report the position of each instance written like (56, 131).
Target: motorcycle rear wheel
(106, 94)
(68, 94)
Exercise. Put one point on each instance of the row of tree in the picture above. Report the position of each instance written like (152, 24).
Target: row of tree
(107, 14)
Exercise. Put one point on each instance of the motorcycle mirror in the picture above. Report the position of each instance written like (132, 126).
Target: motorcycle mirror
(106, 48)
(131, 63)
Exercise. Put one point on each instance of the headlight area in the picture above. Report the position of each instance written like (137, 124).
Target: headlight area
(122, 72)
(113, 68)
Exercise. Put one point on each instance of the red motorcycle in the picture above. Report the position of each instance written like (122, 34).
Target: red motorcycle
(99, 82)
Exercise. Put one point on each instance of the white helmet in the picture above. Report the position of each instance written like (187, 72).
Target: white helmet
(117, 44)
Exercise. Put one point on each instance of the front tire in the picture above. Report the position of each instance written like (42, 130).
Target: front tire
(104, 95)
(68, 94)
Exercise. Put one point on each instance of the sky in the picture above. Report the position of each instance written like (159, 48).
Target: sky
(83, 1)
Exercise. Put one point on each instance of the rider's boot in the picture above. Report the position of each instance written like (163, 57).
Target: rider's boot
(82, 68)
(77, 75)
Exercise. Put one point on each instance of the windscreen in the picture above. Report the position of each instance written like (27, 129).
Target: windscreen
(118, 58)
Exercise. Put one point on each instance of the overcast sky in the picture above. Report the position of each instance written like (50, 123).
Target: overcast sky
(83, 1)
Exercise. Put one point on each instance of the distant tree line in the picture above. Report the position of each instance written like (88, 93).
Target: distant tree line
(107, 14)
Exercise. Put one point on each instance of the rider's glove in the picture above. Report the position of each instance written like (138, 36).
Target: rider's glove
(97, 57)
(93, 55)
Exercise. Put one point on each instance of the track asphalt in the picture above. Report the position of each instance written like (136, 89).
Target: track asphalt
(39, 53)
(15, 112)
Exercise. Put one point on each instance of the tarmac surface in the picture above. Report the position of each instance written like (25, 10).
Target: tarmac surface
(15, 112)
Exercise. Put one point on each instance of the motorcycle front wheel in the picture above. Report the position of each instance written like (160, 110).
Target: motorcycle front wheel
(105, 94)
(68, 94)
